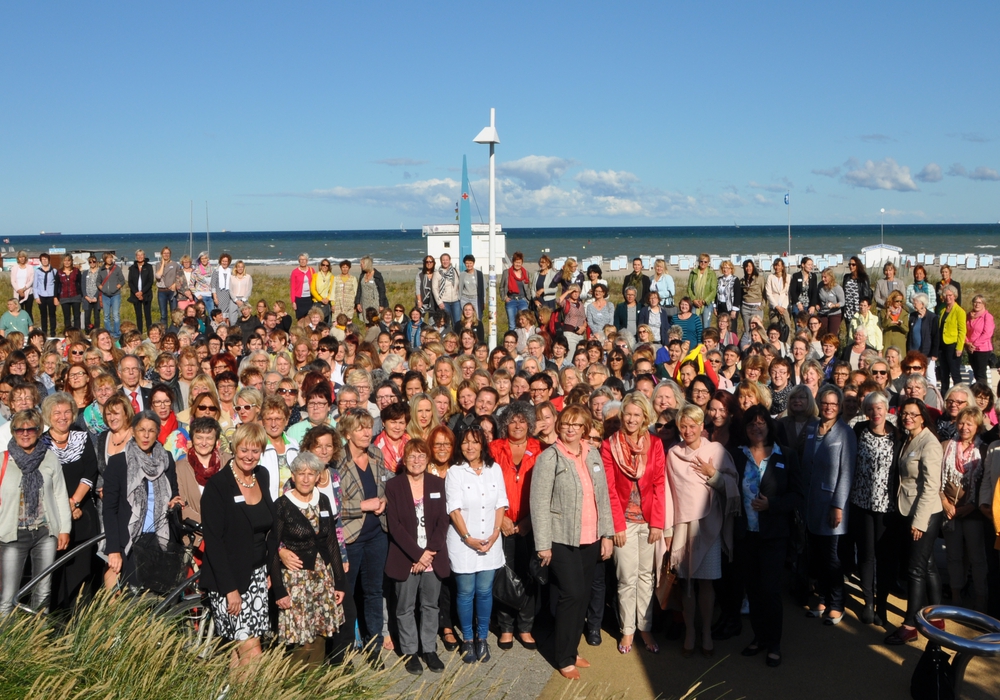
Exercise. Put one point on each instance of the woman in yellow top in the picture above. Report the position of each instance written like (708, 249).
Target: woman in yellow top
(951, 326)
(345, 288)
(322, 288)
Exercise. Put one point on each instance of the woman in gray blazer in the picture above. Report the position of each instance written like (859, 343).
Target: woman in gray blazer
(828, 461)
(919, 514)
(571, 519)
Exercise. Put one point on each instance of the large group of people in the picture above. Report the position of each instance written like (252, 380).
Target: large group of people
(374, 475)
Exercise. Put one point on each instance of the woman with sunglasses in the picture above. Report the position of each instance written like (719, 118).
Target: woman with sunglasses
(247, 405)
(322, 287)
(35, 516)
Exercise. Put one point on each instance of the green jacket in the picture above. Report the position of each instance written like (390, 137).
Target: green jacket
(711, 286)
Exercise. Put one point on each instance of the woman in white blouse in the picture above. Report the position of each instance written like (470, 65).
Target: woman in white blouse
(222, 279)
(22, 281)
(776, 290)
(476, 501)
(241, 286)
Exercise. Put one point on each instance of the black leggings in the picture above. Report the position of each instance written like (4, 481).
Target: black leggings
(47, 311)
(923, 580)
(874, 541)
(71, 314)
(573, 569)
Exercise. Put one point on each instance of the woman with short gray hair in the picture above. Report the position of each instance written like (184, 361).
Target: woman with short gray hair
(315, 578)
(871, 504)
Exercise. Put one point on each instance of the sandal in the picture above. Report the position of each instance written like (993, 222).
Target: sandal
(752, 649)
(652, 647)
(624, 648)
(773, 659)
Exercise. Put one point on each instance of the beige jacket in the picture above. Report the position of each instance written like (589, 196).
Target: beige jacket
(919, 495)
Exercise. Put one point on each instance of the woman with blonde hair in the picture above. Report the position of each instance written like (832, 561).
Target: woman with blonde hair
(371, 288)
(701, 503)
(894, 322)
(423, 417)
(831, 304)
(445, 404)
(322, 287)
(634, 466)
(776, 291)
(283, 363)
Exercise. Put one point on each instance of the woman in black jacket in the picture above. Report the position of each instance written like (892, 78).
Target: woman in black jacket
(923, 335)
(142, 470)
(771, 490)
(418, 554)
(314, 577)
(241, 546)
(856, 287)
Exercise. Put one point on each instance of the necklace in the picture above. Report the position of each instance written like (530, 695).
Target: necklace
(253, 480)
(57, 442)
(518, 444)
(119, 443)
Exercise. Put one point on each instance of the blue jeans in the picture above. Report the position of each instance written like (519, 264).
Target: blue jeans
(454, 309)
(706, 315)
(209, 304)
(112, 314)
(41, 547)
(168, 302)
(367, 562)
(513, 306)
(475, 589)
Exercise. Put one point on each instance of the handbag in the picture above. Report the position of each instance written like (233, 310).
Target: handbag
(665, 582)
(537, 571)
(509, 589)
(954, 492)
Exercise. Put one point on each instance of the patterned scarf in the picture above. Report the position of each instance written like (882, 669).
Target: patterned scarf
(31, 478)
(168, 426)
(628, 455)
(449, 277)
(140, 468)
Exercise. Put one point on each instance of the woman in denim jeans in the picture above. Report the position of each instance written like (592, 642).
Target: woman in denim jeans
(476, 502)
(35, 515)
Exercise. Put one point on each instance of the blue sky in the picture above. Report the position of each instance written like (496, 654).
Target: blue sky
(114, 116)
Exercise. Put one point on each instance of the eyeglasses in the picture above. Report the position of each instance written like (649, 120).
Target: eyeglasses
(914, 368)
(162, 403)
(209, 408)
(699, 392)
(399, 347)
(317, 404)
(246, 407)
(77, 375)
(442, 445)
(27, 430)
(320, 351)
(76, 352)
(288, 392)
(574, 426)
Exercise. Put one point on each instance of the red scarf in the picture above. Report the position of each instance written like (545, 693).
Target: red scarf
(202, 473)
(630, 456)
(168, 426)
(513, 279)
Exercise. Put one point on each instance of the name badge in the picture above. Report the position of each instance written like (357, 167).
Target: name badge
(383, 477)
(435, 495)
(239, 499)
(597, 469)
(324, 514)
(779, 465)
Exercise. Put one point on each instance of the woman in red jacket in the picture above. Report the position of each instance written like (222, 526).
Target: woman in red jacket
(515, 452)
(636, 470)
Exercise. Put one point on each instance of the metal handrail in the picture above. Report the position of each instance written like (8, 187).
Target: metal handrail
(47, 571)
(966, 649)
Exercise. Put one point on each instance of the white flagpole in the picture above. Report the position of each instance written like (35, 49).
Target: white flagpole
(788, 204)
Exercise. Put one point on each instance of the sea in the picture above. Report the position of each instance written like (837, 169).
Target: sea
(408, 247)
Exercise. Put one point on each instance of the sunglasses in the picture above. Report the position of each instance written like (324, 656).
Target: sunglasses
(288, 392)
(399, 347)
(914, 368)
(210, 409)
(246, 407)
(880, 371)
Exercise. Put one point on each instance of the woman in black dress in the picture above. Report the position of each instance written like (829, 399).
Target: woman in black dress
(78, 459)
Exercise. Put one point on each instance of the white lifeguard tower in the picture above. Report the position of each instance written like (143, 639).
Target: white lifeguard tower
(443, 238)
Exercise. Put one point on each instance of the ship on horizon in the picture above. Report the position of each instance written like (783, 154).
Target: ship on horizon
(50, 233)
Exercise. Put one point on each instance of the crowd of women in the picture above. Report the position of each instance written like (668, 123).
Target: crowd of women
(394, 484)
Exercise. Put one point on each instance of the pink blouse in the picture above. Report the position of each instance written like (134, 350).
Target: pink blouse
(588, 524)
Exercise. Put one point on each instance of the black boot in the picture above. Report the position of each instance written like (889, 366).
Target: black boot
(482, 650)
(468, 652)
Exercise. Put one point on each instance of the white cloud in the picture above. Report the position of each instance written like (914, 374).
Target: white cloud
(885, 174)
(984, 173)
(732, 199)
(762, 200)
(400, 162)
(877, 138)
(607, 193)
(827, 172)
(606, 182)
(535, 172)
(930, 173)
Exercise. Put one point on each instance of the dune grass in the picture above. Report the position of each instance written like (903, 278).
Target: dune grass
(115, 649)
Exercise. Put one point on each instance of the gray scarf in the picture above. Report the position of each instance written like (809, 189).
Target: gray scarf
(140, 468)
(31, 477)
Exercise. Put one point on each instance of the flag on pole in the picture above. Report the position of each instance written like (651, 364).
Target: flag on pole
(786, 199)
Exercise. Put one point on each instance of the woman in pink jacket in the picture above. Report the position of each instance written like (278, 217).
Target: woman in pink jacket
(979, 328)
